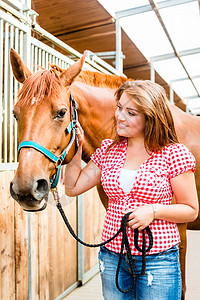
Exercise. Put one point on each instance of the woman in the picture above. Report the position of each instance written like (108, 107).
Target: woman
(140, 171)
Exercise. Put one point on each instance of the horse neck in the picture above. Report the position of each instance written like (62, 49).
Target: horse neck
(96, 107)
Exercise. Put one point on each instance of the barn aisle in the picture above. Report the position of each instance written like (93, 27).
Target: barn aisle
(193, 265)
(92, 289)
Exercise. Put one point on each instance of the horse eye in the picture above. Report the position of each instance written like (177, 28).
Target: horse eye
(15, 116)
(61, 113)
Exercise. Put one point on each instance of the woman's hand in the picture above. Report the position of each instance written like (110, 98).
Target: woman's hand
(79, 134)
(141, 217)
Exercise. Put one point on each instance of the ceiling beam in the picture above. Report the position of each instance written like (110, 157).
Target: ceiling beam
(101, 23)
(172, 55)
(138, 10)
(156, 10)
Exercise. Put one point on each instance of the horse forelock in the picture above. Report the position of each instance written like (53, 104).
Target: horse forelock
(40, 85)
(101, 80)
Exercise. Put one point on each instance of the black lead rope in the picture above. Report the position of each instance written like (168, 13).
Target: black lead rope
(125, 243)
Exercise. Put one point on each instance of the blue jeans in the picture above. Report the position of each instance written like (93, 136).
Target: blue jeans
(162, 280)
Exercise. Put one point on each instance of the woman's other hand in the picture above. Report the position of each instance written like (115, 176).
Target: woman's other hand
(141, 217)
(79, 134)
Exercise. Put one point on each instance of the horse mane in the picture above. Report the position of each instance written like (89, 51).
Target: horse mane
(101, 79)
(40, 85)
(44, 83)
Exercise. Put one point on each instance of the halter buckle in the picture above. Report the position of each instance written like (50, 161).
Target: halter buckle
(59, 162)
(55, 194)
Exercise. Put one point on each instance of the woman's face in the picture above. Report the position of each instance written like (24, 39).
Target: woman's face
(130, 122)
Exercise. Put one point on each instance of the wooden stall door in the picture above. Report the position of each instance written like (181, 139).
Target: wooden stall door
(94, 214)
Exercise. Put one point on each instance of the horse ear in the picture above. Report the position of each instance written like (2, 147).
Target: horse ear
(68, 75)
(20, 70)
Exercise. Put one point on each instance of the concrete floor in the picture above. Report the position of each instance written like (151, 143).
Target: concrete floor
(92, 289)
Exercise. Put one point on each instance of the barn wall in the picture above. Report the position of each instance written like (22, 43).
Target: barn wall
(38, 254)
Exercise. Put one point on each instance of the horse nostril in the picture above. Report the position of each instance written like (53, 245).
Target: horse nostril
(13, 194)
(42, 186)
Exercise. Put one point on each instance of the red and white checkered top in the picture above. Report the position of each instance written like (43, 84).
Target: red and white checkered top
(152, 185)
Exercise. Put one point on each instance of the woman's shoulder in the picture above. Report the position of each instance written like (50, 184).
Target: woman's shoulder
(179, 153)
(106, 142)
(179, 159)
(116, 146)
(177, 148)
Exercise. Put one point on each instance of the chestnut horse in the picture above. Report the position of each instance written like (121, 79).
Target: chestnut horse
(43, 114)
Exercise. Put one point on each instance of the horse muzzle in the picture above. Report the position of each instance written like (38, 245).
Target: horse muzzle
(32, 197)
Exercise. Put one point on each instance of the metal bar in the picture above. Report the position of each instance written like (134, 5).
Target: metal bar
(35, 59)
(29, 258)
(187, 108)
(16, 4)
(58, 62)
(171, 95)
(48, 36)
(107, 53)
(28, 4)
(185, 78)
(67, 291)
(27, 47)
(53, 60)
(132, 11)
(189, 52)
(16, 87)
(56, 41)
(118, 58)
(14, 12)
(169, 3)
(91, 273)
(39, 57)
(152, 72)
(11, 100)
(5, 112)
(1, 87)
(51, 50)
(162, 57)
(156, 10)
(191, 97)
(94, 58)
(32, 57)
(46, 60)
(172, 55)
(80, 232)
(146, 8)
(21, 43)
(43, 58)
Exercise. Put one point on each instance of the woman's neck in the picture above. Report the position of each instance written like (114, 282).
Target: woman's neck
(137, 143)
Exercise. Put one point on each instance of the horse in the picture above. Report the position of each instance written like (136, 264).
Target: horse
(43, 112)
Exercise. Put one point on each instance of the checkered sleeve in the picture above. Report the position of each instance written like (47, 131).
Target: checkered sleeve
(180, 160)
(98, 157)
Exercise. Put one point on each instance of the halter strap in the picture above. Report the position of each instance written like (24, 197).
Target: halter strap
(46, 152)
(57, 160)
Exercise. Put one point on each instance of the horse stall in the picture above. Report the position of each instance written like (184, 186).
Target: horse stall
(39, 258)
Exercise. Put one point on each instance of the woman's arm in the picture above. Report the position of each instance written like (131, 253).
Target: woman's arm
(77, 180)
(187, 206)
(185, 210)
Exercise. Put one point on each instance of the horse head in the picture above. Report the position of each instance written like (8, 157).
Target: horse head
(44, 112)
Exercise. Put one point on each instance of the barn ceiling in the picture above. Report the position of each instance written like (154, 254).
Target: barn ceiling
(88, 25)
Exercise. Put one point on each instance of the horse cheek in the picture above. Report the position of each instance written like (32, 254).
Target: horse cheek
(70, 155)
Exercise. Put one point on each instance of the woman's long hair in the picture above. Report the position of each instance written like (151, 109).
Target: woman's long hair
(151, 100)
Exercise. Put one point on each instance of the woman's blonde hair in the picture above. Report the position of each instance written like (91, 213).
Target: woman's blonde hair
(151, 100)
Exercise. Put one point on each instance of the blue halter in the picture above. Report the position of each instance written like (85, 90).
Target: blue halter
(58, 160)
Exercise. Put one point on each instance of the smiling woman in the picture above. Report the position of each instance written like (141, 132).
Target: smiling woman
(147, 145)
(130, 122)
